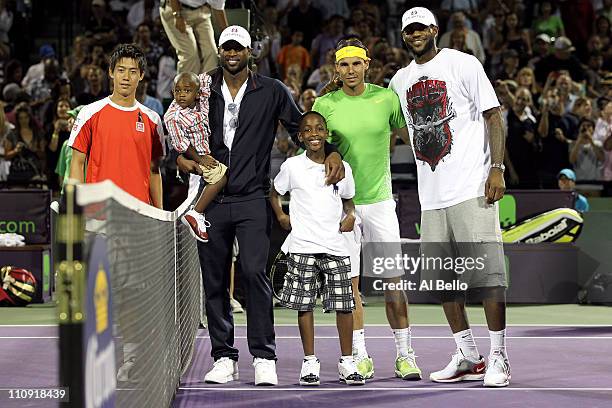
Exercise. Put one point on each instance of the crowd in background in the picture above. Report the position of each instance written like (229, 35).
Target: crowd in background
(549, 61)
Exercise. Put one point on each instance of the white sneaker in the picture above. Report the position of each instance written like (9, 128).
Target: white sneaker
(265, 371)
(224, 370)
(460, 368)
(236, 306)
(197, 224)
(498, 371)
(347, 372)
(123, 374)
(309, 375)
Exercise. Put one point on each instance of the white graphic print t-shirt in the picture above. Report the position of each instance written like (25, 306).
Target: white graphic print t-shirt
(442, 101)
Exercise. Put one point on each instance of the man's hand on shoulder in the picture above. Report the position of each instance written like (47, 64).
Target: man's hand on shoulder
(334, 168)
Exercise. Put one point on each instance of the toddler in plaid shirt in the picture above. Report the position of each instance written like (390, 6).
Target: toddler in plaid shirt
(188, 127)
(316, 251)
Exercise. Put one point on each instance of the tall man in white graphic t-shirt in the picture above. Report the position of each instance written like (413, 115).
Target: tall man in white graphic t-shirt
(457, 134)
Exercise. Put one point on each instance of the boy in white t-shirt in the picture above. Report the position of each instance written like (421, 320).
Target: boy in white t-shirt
(316, 251)
(457, 134)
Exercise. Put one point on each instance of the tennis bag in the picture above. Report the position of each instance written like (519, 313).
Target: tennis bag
(17, 286)
(560, 225)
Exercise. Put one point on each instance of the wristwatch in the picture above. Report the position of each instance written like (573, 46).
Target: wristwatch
(499, 166)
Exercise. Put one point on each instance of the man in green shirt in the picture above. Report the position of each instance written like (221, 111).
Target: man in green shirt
(62, 169)
(360, 118)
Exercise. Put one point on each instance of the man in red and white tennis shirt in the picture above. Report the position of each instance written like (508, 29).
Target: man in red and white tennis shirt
(120, 139)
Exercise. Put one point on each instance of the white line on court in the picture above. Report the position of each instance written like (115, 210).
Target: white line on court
(373, 325)
(408, 389)
(27, 337)
(448, 337)
(369, 337)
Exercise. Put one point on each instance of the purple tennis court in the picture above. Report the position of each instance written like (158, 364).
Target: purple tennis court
(559, 366)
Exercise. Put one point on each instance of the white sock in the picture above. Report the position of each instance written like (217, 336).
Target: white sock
(129, 351)
(310, 357)
(467, 345)
(403, 341)
(346, 359)
(359, 347)
(498, 341)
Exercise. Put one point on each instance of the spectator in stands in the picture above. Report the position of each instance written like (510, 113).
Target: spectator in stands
(603, 30)
(13, 73)
(472, 39)
(331, 8)
(25, 148)
(294, 54)
(95, 86)
(525, 78)
(40, 89)
(101, 25)
(517, 38)
(541, 50)
(302, 18)
(375, 74)
(143, 97)
(578, 17)
(77, 57)
(510, 65)
(333, 30)
(322, 75)
(6, 128)
(603, 134)
(555, 153)
(152, 50)
(561, 59)
(468, 8)
(582, 109)
(586, 154)
(522, 144)
(165, 77)
(274, 41)
(59, 133)
(307, 99)
(594, 74)
(567, 182)
(6, 22)
(188, 25)
(37, 71)
(457, 42)
(293, 79)
(567, 91)
(548, 21)
(143, 11)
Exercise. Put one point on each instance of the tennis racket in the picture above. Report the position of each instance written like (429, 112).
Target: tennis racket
(277, 273)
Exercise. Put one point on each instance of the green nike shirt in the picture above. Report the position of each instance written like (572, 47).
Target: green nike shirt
(360, 126)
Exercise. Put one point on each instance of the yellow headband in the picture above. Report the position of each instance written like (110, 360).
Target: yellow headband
(351, 51)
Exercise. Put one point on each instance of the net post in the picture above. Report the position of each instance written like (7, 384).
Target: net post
(71, 294)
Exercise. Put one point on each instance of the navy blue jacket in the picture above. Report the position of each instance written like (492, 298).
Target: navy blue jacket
(266, 101)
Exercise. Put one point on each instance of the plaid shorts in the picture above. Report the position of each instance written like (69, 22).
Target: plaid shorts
(307, 272)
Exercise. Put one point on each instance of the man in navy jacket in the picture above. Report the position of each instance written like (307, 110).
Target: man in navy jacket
(244, 111)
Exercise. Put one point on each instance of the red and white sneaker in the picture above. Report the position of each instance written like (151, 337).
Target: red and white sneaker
(197, 224)
(460, 368)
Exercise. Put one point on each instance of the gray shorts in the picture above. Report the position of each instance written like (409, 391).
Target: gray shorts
(463, 244)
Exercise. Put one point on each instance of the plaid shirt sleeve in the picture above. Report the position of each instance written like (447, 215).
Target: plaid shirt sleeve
(177, 136)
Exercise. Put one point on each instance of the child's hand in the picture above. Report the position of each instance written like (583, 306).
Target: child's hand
(208, 161)
(285, 222)
(347, 224)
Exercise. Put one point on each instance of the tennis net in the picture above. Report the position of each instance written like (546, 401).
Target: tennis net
(154, 293)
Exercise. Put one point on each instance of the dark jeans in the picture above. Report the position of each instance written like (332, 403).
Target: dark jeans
(250, 222)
